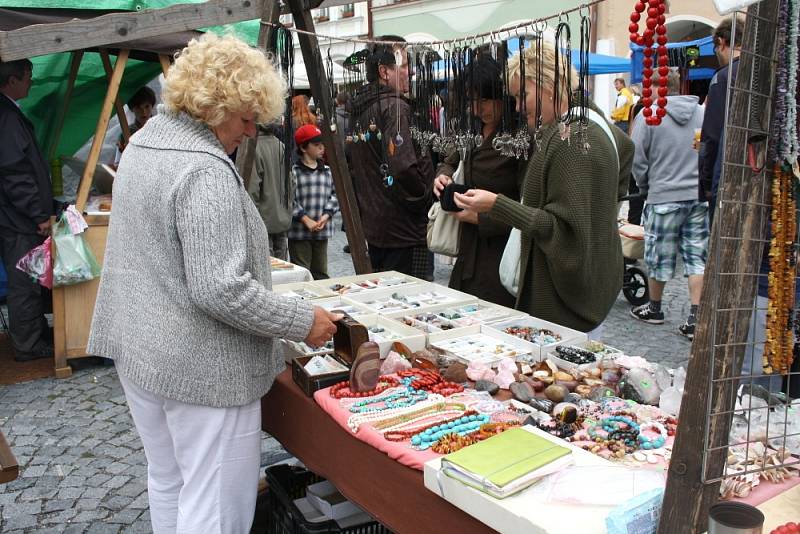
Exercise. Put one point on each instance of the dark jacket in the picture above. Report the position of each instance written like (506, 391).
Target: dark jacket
(571, 258)
(711, 136)
(394, 216)
(26, 194)
(481, 246)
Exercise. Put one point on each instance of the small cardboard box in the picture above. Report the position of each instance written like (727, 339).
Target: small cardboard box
(393, 331)
(488, 345)
(354, 285)
(564, 364)
(409, 297)
(302, 290)
(326, 498)
(350, 334)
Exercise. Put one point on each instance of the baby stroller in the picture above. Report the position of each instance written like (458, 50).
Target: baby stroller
(634, 279)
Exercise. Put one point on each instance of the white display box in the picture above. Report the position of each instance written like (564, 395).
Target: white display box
(526, 511)
(353, 285)
(564, 364)
(568, 335)
(303, 290)
(482, 343)
(427, 322)
(393, 332)
(416, 297)
(326, 499)
(298, 349)
(353, 309)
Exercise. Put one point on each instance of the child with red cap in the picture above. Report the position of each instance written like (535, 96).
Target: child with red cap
(315, 203)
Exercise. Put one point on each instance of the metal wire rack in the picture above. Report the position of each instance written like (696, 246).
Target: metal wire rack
(763, 421)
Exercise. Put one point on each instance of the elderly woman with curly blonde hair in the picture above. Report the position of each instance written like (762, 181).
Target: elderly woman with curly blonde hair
(185, 307)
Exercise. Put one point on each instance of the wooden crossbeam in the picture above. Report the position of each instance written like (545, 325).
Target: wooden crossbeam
(114, 28)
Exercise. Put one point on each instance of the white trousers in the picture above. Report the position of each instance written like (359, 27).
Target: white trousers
(202, 463)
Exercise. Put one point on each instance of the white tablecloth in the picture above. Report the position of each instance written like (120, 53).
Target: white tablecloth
(288, 276)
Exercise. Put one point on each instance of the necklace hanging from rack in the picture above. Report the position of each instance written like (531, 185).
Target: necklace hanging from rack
(655, 32)
(539, 79)
(332, 87)
(522, 140)
(563, 77)
(583, 77)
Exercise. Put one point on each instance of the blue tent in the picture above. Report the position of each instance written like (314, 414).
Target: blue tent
(706, 45)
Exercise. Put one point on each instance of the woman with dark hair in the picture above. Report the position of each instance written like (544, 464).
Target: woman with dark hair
(482, 240)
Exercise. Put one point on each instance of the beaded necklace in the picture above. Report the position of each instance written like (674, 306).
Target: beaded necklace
(433, 403)
(406, 430)
(462, 426)
(656, 32)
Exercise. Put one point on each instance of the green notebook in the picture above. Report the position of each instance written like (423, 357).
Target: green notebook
(506, 463)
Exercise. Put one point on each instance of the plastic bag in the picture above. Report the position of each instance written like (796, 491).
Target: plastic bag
(38, 264)
(74, 261)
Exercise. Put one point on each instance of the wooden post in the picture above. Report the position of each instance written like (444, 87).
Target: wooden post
(123, 119)
(729, 290)
(55, 137)
(165, 63)
(341, 175)
(245, 157)
(102, 127)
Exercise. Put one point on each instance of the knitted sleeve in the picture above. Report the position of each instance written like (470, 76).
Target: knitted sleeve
(212, 232)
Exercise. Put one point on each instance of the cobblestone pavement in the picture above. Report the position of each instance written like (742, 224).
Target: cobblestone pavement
(82, 465)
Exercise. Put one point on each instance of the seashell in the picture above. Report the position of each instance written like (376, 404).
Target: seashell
(595, 372)
(639, 456)
(583, 390)
(556, 392)
(593, 382)
(652, 459)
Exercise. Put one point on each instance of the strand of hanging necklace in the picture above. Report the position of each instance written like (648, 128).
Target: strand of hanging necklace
(503, 142)
(282, 46)
(583, 78)
(331, 111)
(522, 140)
(539, 78)
(563, 76)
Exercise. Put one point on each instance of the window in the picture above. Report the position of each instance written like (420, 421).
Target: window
(323, 14)
(348, 10)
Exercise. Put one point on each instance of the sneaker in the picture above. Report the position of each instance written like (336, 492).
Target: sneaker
(687, 330)
(644, 313)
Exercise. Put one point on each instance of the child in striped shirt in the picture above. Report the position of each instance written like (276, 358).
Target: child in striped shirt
(315, 203)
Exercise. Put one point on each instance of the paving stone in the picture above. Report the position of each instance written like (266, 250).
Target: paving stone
(91, 516)
(57, 505)
(125, 517)
(70, 492)
(87, 504)
(117, 482)
(95, 493)
(103, 528)
(117, 468)
(33, 471)
(20, 522)
(116, 502)
(141, 502)
(21, 508)
(97, 480)
(37, 493)
(76, 528)
(9, 497)
(140, 526)
(132, 488)
(74, 480)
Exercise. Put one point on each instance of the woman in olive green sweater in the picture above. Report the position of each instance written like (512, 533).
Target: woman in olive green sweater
(571, 258)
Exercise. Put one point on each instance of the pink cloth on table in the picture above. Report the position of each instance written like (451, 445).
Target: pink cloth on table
(767, 490)
(399, 451)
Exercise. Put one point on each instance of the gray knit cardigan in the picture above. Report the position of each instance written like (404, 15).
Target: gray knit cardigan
(184, 306)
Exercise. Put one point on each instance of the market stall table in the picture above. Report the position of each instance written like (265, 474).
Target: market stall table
(392, 493)
(284, 272)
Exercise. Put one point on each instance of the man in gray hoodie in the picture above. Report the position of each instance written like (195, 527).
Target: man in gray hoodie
(674, 219)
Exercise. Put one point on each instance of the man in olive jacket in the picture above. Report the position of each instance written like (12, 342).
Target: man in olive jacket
(26, 204)
(393, 204)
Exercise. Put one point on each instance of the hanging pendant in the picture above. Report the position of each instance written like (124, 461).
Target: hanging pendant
(391, 148)
(398, 139)
(333, 126)
(563, 130)
(372, 125)
(379, 135)
(367, 136)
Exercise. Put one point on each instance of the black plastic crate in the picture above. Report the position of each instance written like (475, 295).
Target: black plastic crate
(287, 483)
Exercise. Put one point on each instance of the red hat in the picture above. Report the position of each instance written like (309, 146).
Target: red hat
(306, 134)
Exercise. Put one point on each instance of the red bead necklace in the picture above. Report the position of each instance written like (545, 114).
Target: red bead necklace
(423, 379)
(655, 32)
(342, 389)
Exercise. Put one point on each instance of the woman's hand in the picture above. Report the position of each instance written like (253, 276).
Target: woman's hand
(476, 200)
(440, 183)
(323, 327)
(466, 216)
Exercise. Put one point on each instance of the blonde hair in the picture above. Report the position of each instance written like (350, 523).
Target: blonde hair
(215, 76)
(548, 57)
